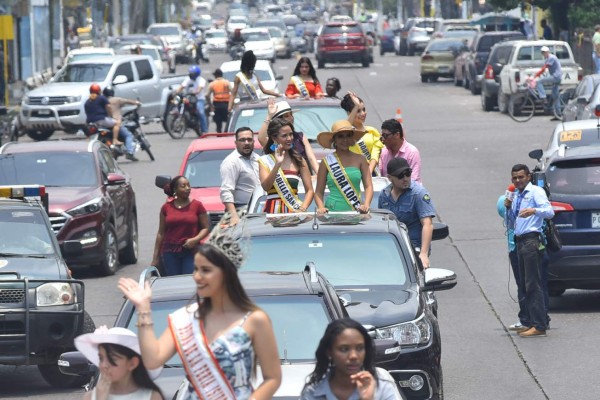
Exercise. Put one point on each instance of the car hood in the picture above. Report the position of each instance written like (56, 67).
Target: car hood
(259, 45)
(381, 307)
(293, 377)
(65, 198)
(33, 268)
(210, 198)
(62, 89)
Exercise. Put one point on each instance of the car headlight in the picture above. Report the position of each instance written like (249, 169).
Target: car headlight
(25, 99)
(417, 332)
(55, 294)
(73, 99)
(89, 207)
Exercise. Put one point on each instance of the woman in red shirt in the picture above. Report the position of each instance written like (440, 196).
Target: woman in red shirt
(304, 82)
(183, 224)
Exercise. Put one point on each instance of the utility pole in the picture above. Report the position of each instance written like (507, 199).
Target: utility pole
(116, 14)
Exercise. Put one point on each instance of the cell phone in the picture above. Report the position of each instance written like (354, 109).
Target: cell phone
(273, 147)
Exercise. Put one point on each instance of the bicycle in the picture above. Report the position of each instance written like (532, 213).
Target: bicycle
(522, 106)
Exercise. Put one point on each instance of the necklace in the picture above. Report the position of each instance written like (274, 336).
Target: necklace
(179, 206)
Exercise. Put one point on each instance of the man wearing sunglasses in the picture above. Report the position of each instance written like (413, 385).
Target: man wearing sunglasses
(392, 136)
(411, 204)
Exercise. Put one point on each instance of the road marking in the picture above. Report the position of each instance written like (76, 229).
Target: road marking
(408, 64)
(283, 67)
(377, 65)
(395, 64)
(372, 73)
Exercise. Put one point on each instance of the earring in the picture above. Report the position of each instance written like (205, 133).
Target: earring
(331, 364)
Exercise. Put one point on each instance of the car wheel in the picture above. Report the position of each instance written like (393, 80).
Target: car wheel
(502, 101)
(556, 289)
(433, 78)
(320, 63)
(474, 89)
(424, 78)
(487, 102)
(110, 258)
(129, 255)
(39, 136)
(365, 63)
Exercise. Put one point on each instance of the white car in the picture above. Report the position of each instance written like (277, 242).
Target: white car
(216, 39)
(88, 52)
(259, 41)
(236, 22)
(263, 70)
(147, 50)
(172, 33)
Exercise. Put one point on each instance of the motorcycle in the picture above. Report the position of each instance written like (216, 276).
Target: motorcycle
(182, 115)
(237, 51)
(131, 121)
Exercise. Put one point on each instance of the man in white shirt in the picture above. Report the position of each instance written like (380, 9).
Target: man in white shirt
(198, 87)
(239, 174)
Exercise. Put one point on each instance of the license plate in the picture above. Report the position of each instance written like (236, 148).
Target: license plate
(596, 220)
(444, 69)
(43, 112)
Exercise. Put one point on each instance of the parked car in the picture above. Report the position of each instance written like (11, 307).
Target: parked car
(479, 52)
(201, 166)
(259, 41)
(429, 24)
(572, 177)
(448, 25)
(343, 42)
(417, 40)
(87, 53)
(438, 59)
(42, 307)
(390, 297)
(216, 39)
(172, 33)
(263, 69)
(91, 199)
(281, 42)
(491, 91)
(386, 41)
(59, 105)
(309, 13)
(584, 100)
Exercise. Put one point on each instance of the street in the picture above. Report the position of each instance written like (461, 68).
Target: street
(466, 157)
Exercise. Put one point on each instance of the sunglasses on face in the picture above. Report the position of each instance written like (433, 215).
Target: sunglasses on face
(385, 136)
(406, 174)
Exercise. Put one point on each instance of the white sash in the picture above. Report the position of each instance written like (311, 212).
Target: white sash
(337, 171)
(203, 371)
(281, 184)
(250, 89)
(300, 85)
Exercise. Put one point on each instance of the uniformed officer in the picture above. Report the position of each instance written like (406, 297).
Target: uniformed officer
(411, 204)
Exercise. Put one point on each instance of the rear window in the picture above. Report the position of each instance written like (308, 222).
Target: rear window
(438, 45)
(338, 30)
(534, 53)
(500, 55)
(574, 177)
(435, 25)
(164, 31)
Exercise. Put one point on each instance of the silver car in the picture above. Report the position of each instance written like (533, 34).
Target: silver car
(281, 42)
(584, 100)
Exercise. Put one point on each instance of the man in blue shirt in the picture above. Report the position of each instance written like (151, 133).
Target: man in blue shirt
(526, 214)
(554, 75)
(411, 204)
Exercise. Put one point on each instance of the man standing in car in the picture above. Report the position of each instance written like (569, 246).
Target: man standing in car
(239, 174)
(526, 216)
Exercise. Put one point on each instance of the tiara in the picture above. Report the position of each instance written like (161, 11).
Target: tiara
(222, 239)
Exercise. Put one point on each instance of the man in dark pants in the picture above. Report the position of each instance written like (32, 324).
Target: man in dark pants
(219, 89)
(526, 215)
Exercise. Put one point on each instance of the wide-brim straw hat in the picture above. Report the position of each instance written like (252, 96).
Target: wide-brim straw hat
(325, 139)
(88, 344)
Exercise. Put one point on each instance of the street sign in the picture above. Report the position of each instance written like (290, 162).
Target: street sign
(6, 27)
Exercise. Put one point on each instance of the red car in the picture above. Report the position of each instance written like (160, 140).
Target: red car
(201, 166)
(343, 42)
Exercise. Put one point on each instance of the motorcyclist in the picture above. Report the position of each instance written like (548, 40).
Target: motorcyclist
(114, 111)
(97, 111)
(198, 88)
(235, 41)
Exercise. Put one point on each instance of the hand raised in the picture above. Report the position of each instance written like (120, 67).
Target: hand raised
(140, 297)
(271, 108)
(279, 154)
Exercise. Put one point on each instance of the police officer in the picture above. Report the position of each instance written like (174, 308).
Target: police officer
(411, 204)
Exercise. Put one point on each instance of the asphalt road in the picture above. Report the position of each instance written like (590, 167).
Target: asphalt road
(466, 156)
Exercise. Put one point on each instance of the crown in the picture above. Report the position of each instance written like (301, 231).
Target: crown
(222, 239)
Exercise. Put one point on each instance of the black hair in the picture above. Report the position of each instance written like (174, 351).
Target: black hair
(273, 130)
(248, 62)
(139, 374)
(242, 129)
(520, 167)
(218, 73)
(348, 104)
(172, 186)
(393, 126)
(333, 330)
(311, 69)
(336, 83)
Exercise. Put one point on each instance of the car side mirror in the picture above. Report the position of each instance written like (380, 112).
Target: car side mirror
(160, 181)
(120, 79)
(72, 248)
(437, 279)
(75, 363)
(582, 100)
(536, 154)
(440, 231)
(386, 350)
(115, 179)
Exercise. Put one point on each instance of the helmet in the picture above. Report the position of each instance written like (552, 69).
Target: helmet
(194, 71)
(108, 92)
(95, 88)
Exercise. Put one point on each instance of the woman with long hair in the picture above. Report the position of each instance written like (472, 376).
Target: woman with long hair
(345, 367)
(370, 145)
(220, 335)
(248, 81)
(280, 170)
(116, 353)
(304, 82)
(342, 172)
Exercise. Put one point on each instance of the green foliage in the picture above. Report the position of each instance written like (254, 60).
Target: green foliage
(580, 15)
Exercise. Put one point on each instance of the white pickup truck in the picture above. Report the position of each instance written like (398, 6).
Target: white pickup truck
(526, 59)
(59, 105)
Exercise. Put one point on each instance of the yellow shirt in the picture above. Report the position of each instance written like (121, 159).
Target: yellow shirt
(372, 139)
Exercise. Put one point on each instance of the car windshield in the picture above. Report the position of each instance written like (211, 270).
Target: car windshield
(310, 120)
(24, 233)
(256, 36)
(574, 177)
(297, 334)
(324, 250)
(70, 169)
(202, 168)
(262, 74)
(275, 32)
(83, 73)
(164, 31)
(579, 137)
(444, 45)
(215, 34)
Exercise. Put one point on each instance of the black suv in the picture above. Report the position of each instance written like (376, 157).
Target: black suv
(91, 198)
(390, 296)
(479, 53)
(41, 307)
(490, 81)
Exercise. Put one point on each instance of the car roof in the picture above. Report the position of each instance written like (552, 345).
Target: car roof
(216, 141)
(49, 145)
(255, 284)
